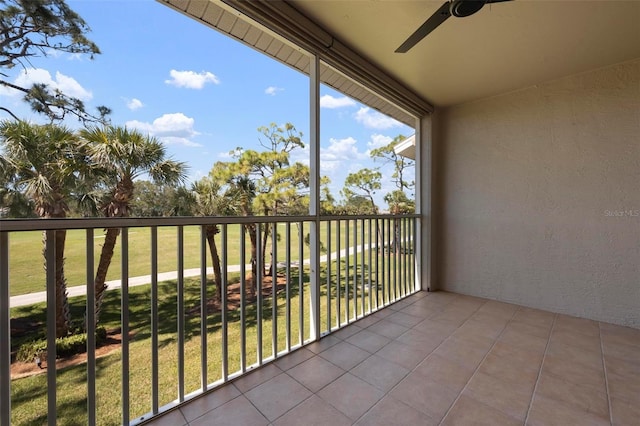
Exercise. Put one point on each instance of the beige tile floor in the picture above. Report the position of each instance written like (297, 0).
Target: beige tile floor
(441, 358)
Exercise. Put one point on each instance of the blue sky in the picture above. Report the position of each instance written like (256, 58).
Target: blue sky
(200, 92)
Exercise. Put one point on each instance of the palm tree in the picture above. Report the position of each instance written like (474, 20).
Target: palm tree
(43, 162)
(121, 155)
(239, 194)
(399, 204)
(210, 203)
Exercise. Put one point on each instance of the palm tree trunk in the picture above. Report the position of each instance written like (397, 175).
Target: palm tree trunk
(63, 315)
(251, 229)
(265, 242)
(211, 231)
(103, 267)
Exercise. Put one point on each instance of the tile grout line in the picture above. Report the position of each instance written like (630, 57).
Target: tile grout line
(386, 393)
(207, 413)
(479, 364)
(544, 357)
(315, 393)
(370, 354)
(604, 369)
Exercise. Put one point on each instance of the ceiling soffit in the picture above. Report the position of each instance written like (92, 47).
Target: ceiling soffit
(340, 68)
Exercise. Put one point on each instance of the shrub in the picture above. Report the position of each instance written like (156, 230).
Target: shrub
(28, 351)
(65, 346)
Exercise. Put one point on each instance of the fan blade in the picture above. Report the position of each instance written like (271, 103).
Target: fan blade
(430, 24)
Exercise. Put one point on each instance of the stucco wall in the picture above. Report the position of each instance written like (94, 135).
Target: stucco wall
(537, 196)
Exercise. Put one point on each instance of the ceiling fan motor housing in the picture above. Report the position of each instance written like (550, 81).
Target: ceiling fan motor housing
(463, 8)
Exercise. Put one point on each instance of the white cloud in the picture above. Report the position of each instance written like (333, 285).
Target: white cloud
(378, 141)
(301, 155)
(339, 152)
(6, 91)
(174, 140)
(67, 85)
(176, 129)
(191, 79)
(134, 104)
(328, 101)
(76, 57)
(273, 90)
(355, 167)
(226, 155)
(374, 119)
(53, 53)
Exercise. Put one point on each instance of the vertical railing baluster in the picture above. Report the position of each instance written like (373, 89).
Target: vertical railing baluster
(5, 332)
(405, 224)
(50, 259)
(370, 274)
(243, 300)
(381, 254)
(258, 300)
(314, 280)
(338, 270)
(124, 314)
(180, 313)
(328, 268)
(401, 258)
(392, 230)
(364, 272)
(288, 286)
(203, 308)
(415, 253)
(91, 331)
(274, 290)
(377, 263)
(154, 320)
(390, 261)
(223, 306)
(405, 258)
(397, 258)
(355, 269)
(399, 255)
(347, 273)
(390, 293)
(301, 282)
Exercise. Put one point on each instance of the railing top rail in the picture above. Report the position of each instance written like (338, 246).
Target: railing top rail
(12, 225)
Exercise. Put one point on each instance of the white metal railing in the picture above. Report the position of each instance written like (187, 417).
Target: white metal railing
(365, 263)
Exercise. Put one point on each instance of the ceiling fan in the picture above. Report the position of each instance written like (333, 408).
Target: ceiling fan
(457, 8)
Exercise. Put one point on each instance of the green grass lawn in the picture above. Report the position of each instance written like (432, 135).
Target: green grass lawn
(27, 275)
(29, 395)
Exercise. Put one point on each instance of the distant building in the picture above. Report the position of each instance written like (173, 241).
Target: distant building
(407, 148)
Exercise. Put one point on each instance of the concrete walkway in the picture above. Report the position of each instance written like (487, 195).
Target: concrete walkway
(81, 290)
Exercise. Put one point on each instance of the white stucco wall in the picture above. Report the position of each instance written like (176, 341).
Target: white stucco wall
(538, 196)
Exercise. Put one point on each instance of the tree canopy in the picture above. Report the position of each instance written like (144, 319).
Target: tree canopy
(363, 183)
(34, 28)
(43, 162)
(401, 165)
(280, 186)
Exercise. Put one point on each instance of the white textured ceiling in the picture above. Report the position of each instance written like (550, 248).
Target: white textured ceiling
(504, 47)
